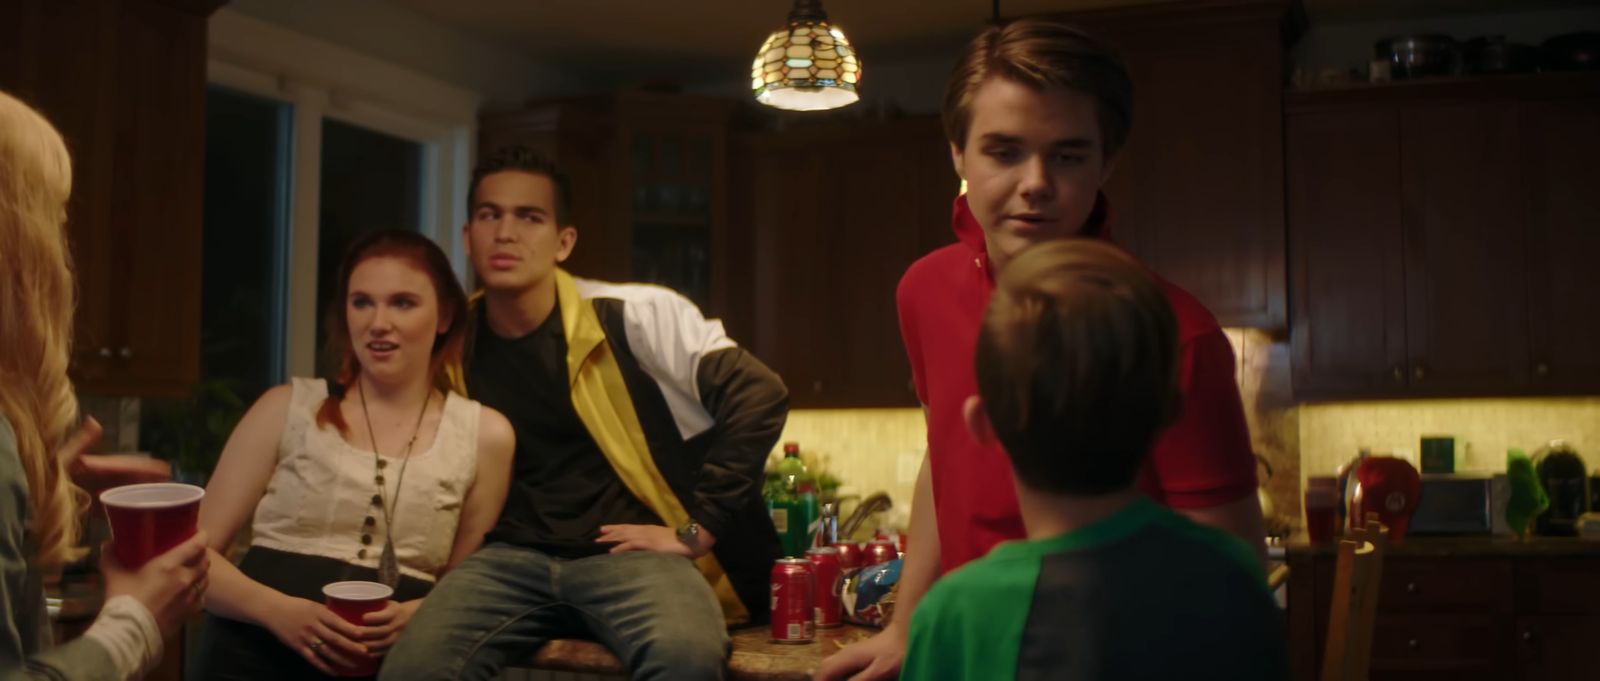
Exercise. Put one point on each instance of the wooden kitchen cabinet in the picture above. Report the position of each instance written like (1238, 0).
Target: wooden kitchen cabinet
(1466, 325)
(124, 82)
(1437, 236)
(1347, 249)
(1462, 609)
(1557, 646)
(649, 173)
(1562, 144)
(1198, 192)
(838, 213)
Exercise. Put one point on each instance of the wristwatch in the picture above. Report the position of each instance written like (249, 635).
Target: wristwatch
(689, 534)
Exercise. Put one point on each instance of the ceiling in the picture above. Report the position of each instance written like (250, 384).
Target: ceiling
(693, 34)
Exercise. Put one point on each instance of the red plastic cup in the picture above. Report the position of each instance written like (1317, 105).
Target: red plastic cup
(351, 601)
(148, 520)
(1322, 506)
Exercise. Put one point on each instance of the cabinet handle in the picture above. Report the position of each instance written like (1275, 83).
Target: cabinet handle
(125, 353)
(1527, 635)
(1541, 369)
(105, 352)
(1418, 372)
(1398, 373)
(1411, 587)
(1413, 644)
(816, 387)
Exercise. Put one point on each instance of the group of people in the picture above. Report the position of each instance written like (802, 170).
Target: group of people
(563, 457)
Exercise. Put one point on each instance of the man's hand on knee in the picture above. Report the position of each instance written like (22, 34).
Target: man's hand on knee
(657, 538)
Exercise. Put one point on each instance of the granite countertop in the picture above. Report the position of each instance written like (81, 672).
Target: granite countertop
(755, 657)
(1474, 547)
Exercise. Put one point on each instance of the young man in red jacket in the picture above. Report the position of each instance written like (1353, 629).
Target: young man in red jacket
(1035, 114)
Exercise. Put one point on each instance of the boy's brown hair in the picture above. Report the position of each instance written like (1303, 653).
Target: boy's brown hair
(1077, 366)
(1043, 53)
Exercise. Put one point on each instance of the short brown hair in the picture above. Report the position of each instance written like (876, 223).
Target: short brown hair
(1042, 53)
(1077, 366)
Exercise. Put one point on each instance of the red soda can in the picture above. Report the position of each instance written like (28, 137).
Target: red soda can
(849, 556)
(880, 551)
(829, 577)
(793, 601)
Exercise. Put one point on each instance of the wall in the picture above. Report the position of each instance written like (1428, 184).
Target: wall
(869, 450)
(879, 449)
(501, 74)
(1484, 428)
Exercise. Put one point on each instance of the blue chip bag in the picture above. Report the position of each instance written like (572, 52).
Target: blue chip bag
(869, 594)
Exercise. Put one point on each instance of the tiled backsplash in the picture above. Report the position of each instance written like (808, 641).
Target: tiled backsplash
(1331, 434)
(870, 450)
(879, 449)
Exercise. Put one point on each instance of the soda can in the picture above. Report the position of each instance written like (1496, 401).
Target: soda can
(849, 556)
(879, 551)
(829, 577)
(793, 601)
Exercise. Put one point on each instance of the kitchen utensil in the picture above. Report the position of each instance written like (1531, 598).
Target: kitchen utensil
(1322, 508)
(1572, 52)
(1565, 478)
(1415, 56)
(1492, 54)
(1389, 487)
(1528, 499)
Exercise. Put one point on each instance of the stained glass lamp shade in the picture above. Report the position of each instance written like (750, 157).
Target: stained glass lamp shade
(807, 65)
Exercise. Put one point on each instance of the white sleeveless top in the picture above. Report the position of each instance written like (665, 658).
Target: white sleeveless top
(321, 492)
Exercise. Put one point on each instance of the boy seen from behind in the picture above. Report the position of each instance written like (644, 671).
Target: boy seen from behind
(1077, 374)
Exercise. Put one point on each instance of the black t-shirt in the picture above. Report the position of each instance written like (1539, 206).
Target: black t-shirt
(562, 488)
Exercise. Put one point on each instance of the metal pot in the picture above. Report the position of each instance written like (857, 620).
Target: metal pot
(1491, 54)
(1572, 52)
(1415, 56)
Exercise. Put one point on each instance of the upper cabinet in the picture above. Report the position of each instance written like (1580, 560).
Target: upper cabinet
(649, 176)
(1198, 192)
(124, 82)
(837, 214)
(1440, 234)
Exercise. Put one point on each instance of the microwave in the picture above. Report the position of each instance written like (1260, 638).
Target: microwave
(1462, 504)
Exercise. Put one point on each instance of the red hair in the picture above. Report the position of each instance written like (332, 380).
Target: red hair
(426, 256)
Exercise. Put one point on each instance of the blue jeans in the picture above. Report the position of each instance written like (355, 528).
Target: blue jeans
(653, 610)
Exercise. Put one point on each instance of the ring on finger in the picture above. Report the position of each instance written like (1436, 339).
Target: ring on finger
(315, 645)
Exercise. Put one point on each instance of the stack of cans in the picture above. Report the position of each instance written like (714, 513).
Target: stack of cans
(808, 593)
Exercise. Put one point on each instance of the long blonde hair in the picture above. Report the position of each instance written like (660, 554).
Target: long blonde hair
(36, 305)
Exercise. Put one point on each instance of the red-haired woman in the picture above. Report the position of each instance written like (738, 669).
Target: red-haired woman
(379, 474)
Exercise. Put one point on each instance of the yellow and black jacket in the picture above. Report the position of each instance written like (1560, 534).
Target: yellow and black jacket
(684, 416)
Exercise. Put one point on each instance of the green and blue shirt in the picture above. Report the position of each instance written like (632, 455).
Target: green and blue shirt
(1142, 594)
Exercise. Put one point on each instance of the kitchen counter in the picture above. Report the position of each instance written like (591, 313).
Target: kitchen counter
(1468, 547)
(1461, 608)
(754, 658)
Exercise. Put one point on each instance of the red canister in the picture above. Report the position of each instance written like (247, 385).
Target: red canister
(880, 551)
(793, 601)
(849, 556)
(829, 576)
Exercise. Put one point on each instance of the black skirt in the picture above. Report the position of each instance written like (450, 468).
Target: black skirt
(231, 650)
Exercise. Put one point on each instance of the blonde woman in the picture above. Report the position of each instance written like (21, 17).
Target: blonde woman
(39, 504)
